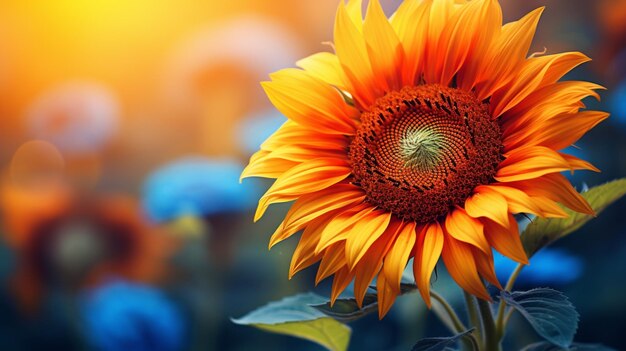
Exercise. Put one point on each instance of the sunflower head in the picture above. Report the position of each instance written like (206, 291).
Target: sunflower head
(420, 137)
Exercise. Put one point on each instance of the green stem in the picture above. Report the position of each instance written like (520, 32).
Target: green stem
(490, 338)
(500, 321)
(472, 313)
(458, 325)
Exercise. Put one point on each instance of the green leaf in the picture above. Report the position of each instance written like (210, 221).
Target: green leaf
(548, 311)
(295, 317)
(543, 231)
(546, 346)
(439, 344)
(346, 310)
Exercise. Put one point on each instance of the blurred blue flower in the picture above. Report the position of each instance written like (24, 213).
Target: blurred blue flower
(548, 266)
(255, 129)
(198, 186)
(120, 315)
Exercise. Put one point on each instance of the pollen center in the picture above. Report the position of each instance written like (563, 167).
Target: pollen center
(421, 151)
(421, 148)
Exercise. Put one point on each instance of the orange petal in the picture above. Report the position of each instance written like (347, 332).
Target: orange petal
(383, 48)
(484, 264)
(520, 202)
(535, 72)
(531, 162)
(427, 252)
(576, 163)
(352, 52)
(386, 294)
(463, 33)
(506, 239)
(342, 279)
(506, 53)
(411, 24)
(488, 203)
(461, 265)
(475, 63)
(557, 132)
(555, 187)
(467, 229)
(545, 103)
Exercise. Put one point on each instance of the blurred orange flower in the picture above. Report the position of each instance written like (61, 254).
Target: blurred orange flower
(64, 240)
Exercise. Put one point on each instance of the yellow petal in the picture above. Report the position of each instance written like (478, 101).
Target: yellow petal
(340, 226)
(364, 233)
(310, 102)
(372, 261)
(311, 206)
(325, 67)
(461, 265)
(506, 240)
(488, 203)
(334, 259)
(304, 255)
(467, 229)
(265, 167)
(353, 8)
(427, 252)
(304, 178)
(398, 255)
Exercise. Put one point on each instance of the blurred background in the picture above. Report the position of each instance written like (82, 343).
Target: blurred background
(124, 126)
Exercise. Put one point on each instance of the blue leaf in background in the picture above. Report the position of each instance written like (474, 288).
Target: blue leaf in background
(439, 344)
(198, 186)
(120, 315)
(255, 129)
(548, 311)
(548, 266)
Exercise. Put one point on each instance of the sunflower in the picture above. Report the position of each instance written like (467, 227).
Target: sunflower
(420, 137)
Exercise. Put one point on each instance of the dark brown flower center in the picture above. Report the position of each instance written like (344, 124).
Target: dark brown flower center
(422, 150)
